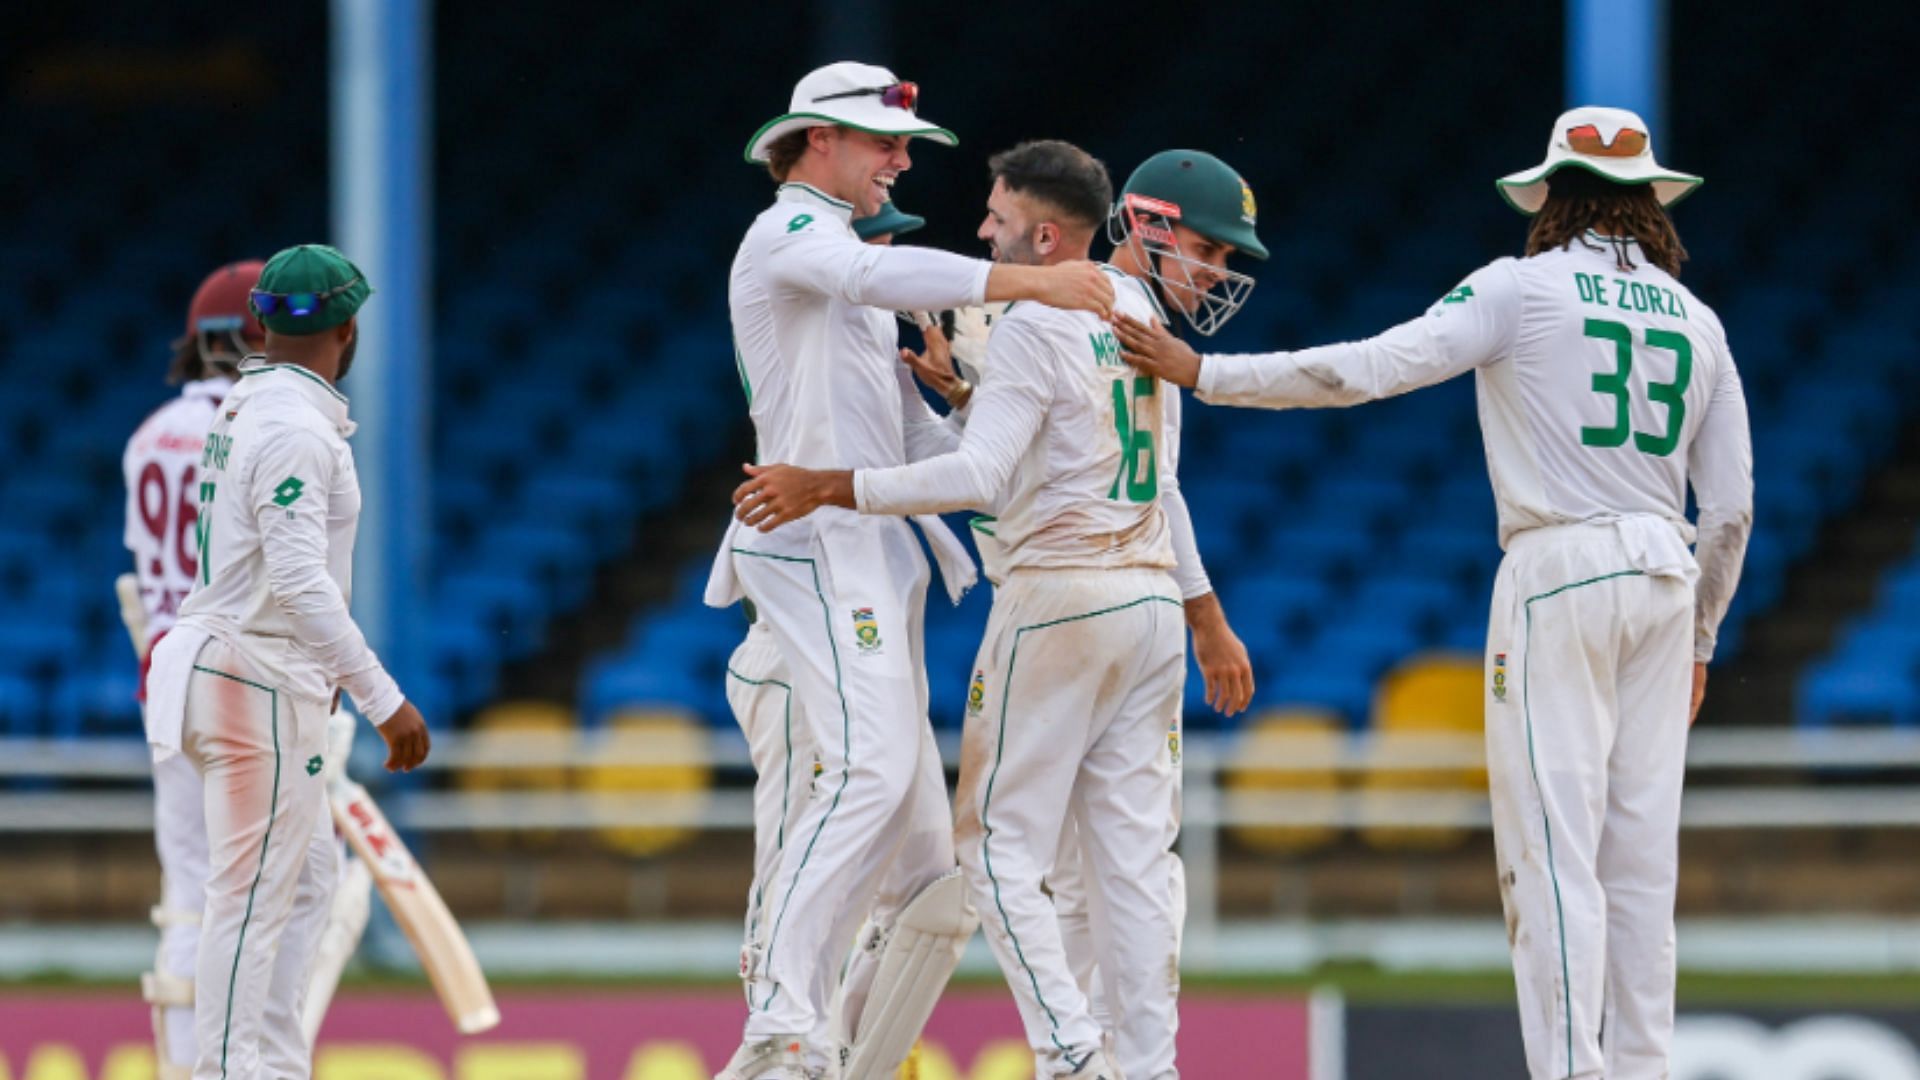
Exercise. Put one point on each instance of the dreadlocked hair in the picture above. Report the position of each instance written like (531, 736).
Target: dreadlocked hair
(1578, 200)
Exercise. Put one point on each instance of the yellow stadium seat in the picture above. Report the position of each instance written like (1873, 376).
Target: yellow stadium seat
(678, 784)
(1417, 705)
(509, 733)
(1310, 739)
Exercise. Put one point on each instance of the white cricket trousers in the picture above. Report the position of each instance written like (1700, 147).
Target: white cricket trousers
(1589, 677)
(844, 596)
(1080, 678)
(760, 692)
(180, 839)
(271, 865)
(1142, 1046)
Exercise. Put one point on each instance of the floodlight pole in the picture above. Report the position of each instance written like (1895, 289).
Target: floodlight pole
(1617, 56)
(382, 136)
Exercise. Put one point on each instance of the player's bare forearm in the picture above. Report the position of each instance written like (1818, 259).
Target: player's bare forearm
(1074, 286)
(1155, 351)
(1222, 656)
(1699, 692)
(776, 494)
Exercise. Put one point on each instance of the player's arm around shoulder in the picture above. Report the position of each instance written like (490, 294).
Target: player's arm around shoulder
(1006, 414)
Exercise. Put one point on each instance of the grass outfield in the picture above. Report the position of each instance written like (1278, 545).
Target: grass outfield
(1358, 984)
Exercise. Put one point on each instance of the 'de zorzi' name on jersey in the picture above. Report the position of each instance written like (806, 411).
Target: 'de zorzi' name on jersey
(1622, 295)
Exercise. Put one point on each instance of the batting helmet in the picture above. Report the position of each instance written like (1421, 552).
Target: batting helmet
(219, 313)
(220, 305)
(1199, 191)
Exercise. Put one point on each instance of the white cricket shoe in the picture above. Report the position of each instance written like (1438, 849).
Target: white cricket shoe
(776, 1058)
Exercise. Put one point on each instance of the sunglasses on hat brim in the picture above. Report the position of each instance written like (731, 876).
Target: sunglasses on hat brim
(297, 305)
(1627, 142)
(900, 95)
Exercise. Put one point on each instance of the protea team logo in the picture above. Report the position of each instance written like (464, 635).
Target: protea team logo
(1500, 678)
(866, 630)
(1173, 744)
(977, 693)
(1247, 208)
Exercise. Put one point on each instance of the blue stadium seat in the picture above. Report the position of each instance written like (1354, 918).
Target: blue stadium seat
(1285, 603)
(21, 706)
(560, 557)
(1315, 549)
(1358, 502)
(462, 656)
(25, 551)
(98, 702)
(623, 682)
(1889, 639)
(1900, 589)
(34, 643)
(1845, 692)
(501, 599)
(1411, 598)
(1341, 690)
(1365, 641)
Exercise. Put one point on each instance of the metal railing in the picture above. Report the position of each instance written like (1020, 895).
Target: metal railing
(1819, 779)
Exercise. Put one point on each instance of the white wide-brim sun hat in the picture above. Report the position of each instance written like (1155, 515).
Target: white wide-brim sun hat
(850, 95)
(1612, 143)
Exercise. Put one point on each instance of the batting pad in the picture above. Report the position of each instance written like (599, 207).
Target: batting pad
(915, 963)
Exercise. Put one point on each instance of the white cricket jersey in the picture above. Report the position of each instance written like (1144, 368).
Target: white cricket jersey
(1063, 439)
(162, 470)
(813, 331)
(818, 357)
(1602, 394)
(973, 327)
(279, 508)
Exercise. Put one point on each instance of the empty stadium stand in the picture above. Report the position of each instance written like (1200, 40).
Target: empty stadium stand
(586, 402)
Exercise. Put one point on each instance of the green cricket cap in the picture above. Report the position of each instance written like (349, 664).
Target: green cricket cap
(889, 219)
(1213, 200)
(315, 288)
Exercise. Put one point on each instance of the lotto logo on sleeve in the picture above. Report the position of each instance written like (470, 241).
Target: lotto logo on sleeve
(289, 491)
(866, 630)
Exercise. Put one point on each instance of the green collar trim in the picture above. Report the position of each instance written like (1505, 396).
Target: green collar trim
(834, 121)
(1159, 308)
(297, 370)
(817, 193)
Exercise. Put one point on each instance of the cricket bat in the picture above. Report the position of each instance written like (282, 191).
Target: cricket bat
(417, 907)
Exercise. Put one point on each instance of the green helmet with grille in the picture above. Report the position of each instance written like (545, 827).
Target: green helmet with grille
(1198, 190)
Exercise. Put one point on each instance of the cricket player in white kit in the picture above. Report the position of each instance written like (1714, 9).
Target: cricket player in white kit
(1605, 388)
(1079, 679)
(245, 682)
(1181, 215)
(843, 594)
(161, 466)
(760, 694)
